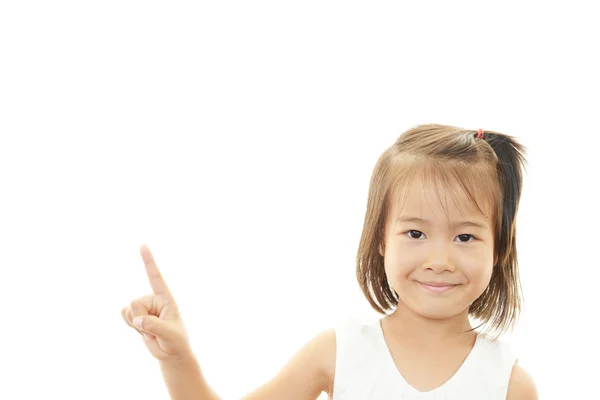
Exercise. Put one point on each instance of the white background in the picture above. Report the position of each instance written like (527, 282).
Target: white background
(237, 140)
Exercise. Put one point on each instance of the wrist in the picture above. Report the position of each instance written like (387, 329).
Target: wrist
(184, 360)
(184, 379)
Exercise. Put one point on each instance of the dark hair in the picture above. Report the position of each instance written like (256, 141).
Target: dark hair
(489, 170)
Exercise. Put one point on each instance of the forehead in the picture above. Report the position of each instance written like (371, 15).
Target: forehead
(447, 200)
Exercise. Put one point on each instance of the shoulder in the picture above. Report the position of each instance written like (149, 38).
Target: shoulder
(306, 375)
(502, 363)
(326, 342)
(521, 385)
(316, 360)
(323, 350)
(320, 351)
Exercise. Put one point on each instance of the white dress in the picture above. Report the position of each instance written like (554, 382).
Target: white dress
(365, 369)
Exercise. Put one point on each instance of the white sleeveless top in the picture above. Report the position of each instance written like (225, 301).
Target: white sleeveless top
(364, 369)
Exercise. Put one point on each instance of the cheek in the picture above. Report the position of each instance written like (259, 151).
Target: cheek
(481, 272)
(479, 268)
(400, 261)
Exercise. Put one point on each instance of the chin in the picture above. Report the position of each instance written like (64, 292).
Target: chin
(437, 313)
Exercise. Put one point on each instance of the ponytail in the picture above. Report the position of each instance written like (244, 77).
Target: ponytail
(511, 159)
(501, 301)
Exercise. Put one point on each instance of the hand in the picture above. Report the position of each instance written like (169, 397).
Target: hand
(157, 318)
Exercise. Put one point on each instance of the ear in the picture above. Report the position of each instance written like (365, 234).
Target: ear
(381, 250)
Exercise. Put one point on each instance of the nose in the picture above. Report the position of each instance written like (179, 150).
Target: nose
(438, 259)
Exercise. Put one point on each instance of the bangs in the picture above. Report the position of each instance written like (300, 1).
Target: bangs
(471, 187)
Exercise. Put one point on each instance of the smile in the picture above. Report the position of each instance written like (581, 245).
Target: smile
(437, 288)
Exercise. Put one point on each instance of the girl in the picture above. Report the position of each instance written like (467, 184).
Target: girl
(438, 246)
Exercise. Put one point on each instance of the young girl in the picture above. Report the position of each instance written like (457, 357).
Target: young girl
(437, 247)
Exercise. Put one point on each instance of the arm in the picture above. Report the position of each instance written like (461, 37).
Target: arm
(521, 385)
(306, 375)
(156, 317)
(184, 380)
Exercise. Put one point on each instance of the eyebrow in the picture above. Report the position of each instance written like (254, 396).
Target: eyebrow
(452, 225)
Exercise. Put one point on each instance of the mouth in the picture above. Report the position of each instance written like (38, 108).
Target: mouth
(437, 287)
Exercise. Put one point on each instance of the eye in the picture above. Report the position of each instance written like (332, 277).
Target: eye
(463, 238)
(466, 236)
(414, 234)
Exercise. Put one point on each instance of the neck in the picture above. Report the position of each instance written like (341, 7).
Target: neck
(406, 323)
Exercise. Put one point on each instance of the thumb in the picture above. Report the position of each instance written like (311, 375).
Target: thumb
(152, 325)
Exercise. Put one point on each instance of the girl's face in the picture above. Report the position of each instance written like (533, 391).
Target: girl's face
(423, 245)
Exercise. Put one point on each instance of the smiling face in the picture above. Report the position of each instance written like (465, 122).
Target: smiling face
(428, 239)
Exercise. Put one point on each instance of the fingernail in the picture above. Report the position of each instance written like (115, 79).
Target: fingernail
(137, 322)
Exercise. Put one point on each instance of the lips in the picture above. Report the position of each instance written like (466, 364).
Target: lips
(437, 287)
(438, 284)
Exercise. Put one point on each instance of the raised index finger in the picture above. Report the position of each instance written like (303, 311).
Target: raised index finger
(158, 284)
